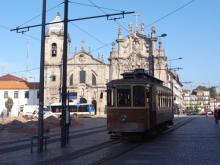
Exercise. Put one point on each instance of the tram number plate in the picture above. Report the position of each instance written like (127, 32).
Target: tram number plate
(122, 86)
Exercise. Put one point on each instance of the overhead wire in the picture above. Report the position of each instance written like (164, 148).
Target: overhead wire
(170, 13)
(106, 13)
(40, 14)
(94, 6)
(117, 22)
(89, 35)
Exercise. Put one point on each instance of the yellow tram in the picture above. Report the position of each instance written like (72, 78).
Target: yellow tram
(138, 105)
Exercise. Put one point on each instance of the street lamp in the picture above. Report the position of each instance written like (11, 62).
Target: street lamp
(173, 60)
(34, 89)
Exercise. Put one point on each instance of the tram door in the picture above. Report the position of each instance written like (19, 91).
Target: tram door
(149, 101)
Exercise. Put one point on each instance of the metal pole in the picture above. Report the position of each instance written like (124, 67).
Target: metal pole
(41, 94)
(34, 90)
(63, 125)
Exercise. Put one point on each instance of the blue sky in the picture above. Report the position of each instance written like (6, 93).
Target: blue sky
(192, 33)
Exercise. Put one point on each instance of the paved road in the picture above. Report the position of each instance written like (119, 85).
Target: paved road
(195, 142)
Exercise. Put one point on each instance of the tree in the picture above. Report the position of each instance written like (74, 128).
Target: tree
(213, 93)
(191, 107)
(205, 107)
(9, 103)
(203, 88)
(186, 90)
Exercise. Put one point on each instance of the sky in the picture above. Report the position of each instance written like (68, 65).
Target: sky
(192, 28)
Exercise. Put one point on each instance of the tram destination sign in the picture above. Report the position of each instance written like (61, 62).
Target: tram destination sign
(122, 87)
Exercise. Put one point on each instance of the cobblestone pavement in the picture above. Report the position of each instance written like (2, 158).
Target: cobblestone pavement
(196, 142)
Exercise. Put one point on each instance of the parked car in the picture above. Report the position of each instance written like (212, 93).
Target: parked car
(191, 113)
(203, 112)
(210, 112)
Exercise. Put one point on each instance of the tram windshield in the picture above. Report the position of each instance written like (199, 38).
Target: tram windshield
(139, 99)
(124, 97)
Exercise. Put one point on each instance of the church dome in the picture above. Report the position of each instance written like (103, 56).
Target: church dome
(58, 27)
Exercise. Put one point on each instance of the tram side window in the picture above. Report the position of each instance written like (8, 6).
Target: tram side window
(110, 100)
(124, 97)
(138, 96)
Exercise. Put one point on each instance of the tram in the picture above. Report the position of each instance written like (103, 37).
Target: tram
(138, 105)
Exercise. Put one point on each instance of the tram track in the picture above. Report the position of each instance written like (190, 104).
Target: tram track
(21, 147)
(53, 135)
(80, 153)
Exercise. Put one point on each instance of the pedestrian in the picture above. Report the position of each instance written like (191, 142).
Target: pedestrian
(206, 113)
(2, 114)
(216, 115)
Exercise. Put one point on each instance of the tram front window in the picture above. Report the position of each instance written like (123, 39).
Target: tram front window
(124, 97)
(138, 96)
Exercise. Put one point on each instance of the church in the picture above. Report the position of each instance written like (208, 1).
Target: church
(87, 75)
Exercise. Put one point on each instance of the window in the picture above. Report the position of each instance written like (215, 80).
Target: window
(26, 94)
(38, 94)
(138, 93)
(54, 50)
(5, 94)
(82, 77)
(93, 79)
(71, 80)
(16, 94)
(53, 78)
(124, 97)
(21, 108)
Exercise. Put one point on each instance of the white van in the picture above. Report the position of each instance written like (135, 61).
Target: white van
(33, 109)
(30, 109)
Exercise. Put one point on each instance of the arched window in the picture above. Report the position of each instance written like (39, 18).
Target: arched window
(54, 50)
(93, 79)
(71, 80)
(82, 77)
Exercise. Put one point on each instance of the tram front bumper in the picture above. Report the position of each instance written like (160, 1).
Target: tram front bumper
(125, 127)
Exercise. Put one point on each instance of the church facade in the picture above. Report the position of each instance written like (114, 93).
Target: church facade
(87, 75)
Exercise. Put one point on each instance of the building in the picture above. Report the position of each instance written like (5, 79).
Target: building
(186, 99)
(176, 86)
(87, 75)
(200, 99)
(20, 91)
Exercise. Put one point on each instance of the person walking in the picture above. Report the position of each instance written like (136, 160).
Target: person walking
(2, 114)
(206, 113)
(216, 115)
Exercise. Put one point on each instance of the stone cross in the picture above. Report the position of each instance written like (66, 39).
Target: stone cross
(136, 17)
(82, 43)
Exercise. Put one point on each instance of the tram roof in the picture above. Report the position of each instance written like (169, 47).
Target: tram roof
(137, 76)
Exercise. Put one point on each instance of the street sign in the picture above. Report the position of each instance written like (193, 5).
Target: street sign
(77, 104)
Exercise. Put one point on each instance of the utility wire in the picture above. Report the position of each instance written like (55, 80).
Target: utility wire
(94, 6)
(125, 29)
(23, 71)
(40, 14)
(90, 35)
(170, 13)
(106, 13)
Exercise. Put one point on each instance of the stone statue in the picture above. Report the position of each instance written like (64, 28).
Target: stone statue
(142, 27)
(130, 27)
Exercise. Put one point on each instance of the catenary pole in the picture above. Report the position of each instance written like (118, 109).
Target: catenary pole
(41, 94)
(63, 125)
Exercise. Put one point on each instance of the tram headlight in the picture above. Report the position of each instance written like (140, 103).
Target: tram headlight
(124, 118)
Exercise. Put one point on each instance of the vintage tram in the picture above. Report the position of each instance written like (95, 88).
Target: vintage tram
(138, 105)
